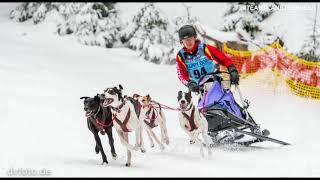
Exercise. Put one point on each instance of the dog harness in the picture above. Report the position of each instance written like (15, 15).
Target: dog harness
(123, 124)
(152, 119)
(190, 120)
(97, 123)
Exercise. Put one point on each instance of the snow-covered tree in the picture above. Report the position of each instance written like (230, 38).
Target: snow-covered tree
(96, 26)
(245, 18)
(92, 23)
(24, 11)
(35, 11)
(40, 14)
(148, 33)
(179, 21)
(68, 11)
(267, 37)
(311, 47)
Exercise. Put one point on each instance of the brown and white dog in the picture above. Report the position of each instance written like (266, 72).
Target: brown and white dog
(192, 121)
(126, 119)
(152, 116)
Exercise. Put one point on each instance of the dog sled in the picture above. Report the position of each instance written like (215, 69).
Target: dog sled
(224, 114)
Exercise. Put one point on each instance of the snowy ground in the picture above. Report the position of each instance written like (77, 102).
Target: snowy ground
(43, 125)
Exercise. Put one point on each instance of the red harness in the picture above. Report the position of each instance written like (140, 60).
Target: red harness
(190, 120)
(103, 125)
(114, 118)
(153, 117)
(104, 116)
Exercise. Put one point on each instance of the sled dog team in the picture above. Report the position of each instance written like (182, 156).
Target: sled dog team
(133, 114)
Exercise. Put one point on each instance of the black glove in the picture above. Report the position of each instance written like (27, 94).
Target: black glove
(193, 86)
(234, 75)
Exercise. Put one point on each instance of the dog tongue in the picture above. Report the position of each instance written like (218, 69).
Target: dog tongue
(87, 114)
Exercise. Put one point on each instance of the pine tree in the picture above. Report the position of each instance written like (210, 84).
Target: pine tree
(41, 12)
(92, 23)
(148, 33)
(24, 11)
(35, 11)
(310, 49)
(68, 11)
(245, 18)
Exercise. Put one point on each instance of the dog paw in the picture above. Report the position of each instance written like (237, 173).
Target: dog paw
(143, 150)
(104, 161)
(135, 148)
(97, 149)
(192, 141)
(167, 141)
(114, 156)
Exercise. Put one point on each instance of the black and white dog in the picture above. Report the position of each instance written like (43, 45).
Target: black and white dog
(126, 119)
(99, 120)
(192, 121)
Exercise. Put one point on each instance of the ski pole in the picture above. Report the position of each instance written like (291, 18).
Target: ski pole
(241, 98)
(243, 103)
(245, 107)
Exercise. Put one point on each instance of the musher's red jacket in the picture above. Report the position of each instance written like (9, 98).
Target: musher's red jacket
(211, 52)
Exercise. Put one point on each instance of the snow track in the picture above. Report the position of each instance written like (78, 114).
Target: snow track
(42, 122)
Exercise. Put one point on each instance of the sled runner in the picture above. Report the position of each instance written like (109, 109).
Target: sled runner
(223, 113)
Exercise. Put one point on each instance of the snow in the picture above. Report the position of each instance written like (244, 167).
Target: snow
(43, 125)
(211, 14)
(291, 22)
(219, 35)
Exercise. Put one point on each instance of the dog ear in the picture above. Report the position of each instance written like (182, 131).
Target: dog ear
(189, 93)
(135, 96)
(84, 97)
(101, 96)
(120, 87)
(148, 97)
(97, 98)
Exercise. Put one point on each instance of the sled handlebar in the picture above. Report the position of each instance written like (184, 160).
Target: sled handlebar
(213, 74)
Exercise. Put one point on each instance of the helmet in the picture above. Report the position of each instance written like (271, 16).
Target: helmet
(187, 31)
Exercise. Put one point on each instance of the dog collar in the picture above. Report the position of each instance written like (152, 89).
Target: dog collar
(118, 109)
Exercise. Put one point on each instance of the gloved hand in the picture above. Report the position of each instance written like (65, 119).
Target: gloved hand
(193, 86)
(234, 75)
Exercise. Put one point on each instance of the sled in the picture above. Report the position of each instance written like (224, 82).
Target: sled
(228, 114)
